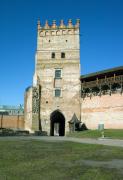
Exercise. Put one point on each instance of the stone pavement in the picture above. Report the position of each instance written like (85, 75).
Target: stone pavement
(103, 141)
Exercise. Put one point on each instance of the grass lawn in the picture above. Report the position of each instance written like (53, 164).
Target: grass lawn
(40, 160)
(109, 133)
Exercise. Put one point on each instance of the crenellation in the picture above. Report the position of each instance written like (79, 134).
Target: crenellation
(38, 25)
(62, 24)
(77, 23)
(70, 25)
(54, 24)
(46, 25)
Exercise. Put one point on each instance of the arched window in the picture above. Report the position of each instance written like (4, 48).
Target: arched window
(62, 55)
(53, 55)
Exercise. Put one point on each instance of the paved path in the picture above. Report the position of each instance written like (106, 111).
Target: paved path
(108, 142)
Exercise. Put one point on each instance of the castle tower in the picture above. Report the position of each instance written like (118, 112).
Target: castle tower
(57, 67)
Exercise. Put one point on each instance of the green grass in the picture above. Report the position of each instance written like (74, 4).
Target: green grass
(35, 160)
(109, 133)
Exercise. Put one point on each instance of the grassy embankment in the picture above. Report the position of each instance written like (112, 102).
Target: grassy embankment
(108, 133)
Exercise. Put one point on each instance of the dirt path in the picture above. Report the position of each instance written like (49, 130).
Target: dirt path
(108, 142)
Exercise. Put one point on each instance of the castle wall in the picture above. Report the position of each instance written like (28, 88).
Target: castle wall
(7, 121)
(107, 110)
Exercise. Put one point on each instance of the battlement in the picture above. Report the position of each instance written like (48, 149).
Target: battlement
(54, 26)
(58, 30)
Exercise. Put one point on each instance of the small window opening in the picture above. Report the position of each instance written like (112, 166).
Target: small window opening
(58, 73)
(57, 92)
(53, 55)
(62, 55)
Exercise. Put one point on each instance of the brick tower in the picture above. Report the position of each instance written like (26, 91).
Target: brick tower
(54, 98)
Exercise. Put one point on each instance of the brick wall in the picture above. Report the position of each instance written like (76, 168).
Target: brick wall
(7, 121)
(105, 109)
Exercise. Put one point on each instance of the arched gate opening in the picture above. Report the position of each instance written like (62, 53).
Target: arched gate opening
(57, 124)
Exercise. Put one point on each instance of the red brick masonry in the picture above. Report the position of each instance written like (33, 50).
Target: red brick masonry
(7, 121)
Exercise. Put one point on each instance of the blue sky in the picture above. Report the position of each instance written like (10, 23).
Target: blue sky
(101, 38)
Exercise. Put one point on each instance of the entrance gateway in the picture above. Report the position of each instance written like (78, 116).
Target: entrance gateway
(57, 124)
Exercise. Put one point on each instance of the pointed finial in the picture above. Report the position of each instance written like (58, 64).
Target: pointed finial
(46, 25)
(39, 24)
(62, 23)
(77, 23)
(54, 24)
(70, 23)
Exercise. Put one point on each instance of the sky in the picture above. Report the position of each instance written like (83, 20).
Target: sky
(101, 38)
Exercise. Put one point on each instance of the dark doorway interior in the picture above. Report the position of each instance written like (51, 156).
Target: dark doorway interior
(57, 124)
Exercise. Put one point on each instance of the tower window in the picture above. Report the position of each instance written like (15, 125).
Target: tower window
(53, 55)
(57, 73)
(57, 92)
(62, 55)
